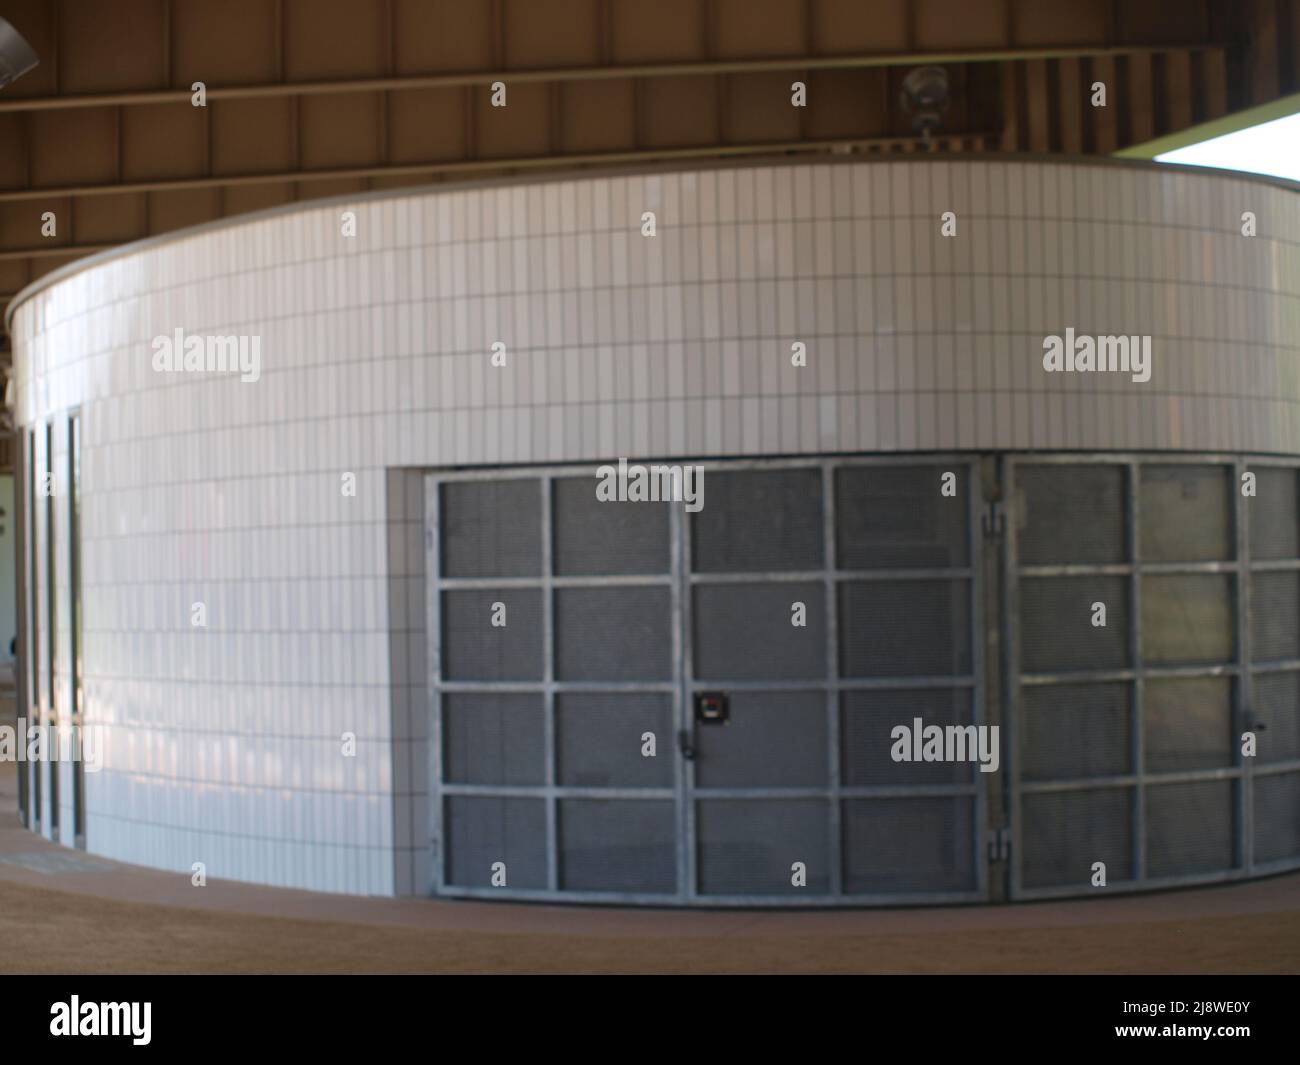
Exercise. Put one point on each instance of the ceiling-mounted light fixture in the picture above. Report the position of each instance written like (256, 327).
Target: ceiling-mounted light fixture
(924, 96)
(16, 55)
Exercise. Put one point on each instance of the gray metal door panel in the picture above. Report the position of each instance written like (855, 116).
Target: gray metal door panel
(893, 611)
(626, 611)
(1125, 744)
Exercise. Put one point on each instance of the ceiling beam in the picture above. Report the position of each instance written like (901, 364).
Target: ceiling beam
(596, 73)
(708, 151)
(51, 251)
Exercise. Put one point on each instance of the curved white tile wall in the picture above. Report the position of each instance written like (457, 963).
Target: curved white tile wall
(223, 744)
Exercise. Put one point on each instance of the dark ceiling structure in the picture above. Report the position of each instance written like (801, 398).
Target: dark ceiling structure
(309, 98)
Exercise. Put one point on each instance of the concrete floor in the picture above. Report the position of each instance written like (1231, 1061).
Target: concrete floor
(63, 911)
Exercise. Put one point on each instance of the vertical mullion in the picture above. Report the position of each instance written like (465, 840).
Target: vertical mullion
(691, 848)
(978, 634)
(34, 712)
(1010, 636)
(829, 561)
(548, 681)
(433, 612)
(23, 665)
(1138, 738)
(681, 703)
(1244, 695)
(51, 610)
(74, 620)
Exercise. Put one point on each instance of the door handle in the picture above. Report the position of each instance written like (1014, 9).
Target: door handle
(684, 744)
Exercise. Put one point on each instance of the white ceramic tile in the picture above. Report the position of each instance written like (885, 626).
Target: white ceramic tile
(374, 355)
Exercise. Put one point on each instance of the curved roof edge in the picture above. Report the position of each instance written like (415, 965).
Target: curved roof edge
(673, 167)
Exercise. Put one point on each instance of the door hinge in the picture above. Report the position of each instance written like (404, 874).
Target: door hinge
(994, 520)
(999, 844)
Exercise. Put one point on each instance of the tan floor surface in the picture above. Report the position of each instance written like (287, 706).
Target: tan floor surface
(114, 918)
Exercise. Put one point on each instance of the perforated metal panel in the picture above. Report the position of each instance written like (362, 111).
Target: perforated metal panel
(493, 738)
(1076, 731)
(1275, 628)
(771, 740)
(868, 715)
(744, 631)
(594, 537)
(1063, 834)
(493, 634)
(613, 634)
(750, 847)
(908, 628)
(1274, 531)
(1077, 518)
(1277, 817)
(1277, 712)
(1190, 828)
(1187, 619)
(618, 846)
(1060, 622)
(593, 730)
(1185, 513)
(892, 516)
(909, 846)
(1188, 723)
(497, 837)
(759, 521)
(491, 529)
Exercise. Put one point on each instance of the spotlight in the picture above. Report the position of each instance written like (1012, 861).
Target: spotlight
(16, 55)
(924, 96)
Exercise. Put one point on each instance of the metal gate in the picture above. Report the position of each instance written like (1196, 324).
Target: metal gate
(635, 703)
(699, 708)
(1128, 727)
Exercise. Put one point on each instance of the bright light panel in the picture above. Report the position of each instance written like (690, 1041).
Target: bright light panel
(1269, 148)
